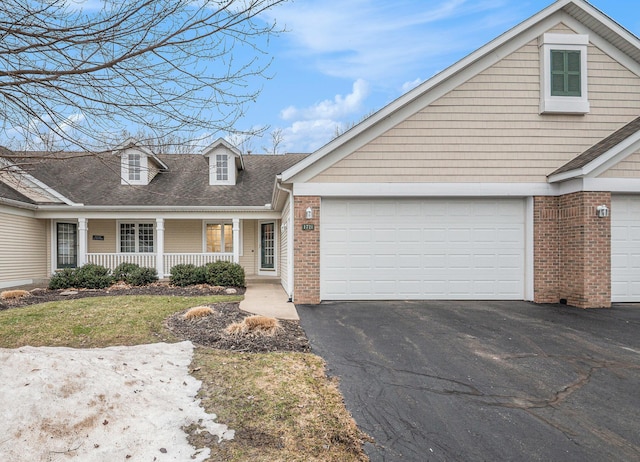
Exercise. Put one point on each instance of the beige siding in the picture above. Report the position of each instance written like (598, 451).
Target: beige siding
(628, 168)
(105, 228)
(489, 129)
(248, 259)
(23, 248)
(183, 236)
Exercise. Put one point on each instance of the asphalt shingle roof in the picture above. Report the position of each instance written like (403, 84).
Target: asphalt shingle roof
(95, 180)
(600, 148)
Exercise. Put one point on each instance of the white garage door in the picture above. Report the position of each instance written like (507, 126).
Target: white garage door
(422, 249)
(625, 248)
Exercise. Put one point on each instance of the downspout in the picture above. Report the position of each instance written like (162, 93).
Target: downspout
(290, 227)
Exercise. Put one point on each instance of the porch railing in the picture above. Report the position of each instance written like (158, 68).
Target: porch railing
(111, 260)
(198, 259)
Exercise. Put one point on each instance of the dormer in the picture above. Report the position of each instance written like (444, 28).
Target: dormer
(138, 165)
(225, 161)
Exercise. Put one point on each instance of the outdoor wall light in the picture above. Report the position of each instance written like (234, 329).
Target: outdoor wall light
(309, 213)
(602, 211)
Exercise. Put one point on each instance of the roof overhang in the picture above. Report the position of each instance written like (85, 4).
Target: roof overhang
(603, 162)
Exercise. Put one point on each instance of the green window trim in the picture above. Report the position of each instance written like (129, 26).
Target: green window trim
(566, 73)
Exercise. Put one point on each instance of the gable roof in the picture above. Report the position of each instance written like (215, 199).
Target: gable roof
(6, 192)
(221, 142)
(131, 143)
(94, 180)
(609, 151)
(611, 33)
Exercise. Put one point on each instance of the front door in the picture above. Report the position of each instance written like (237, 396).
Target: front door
(267, 246)
(67, 245)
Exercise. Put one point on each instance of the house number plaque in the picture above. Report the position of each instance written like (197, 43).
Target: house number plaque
(308, 227)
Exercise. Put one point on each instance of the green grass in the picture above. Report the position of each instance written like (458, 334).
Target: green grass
(95, 322)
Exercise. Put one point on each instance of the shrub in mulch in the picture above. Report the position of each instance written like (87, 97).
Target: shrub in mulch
(13, 294)
(211, 331)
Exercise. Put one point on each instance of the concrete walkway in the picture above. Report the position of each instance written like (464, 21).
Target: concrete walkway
(268, 298)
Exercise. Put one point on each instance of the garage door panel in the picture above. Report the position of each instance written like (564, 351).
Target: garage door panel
(423, 249)
(625, 248)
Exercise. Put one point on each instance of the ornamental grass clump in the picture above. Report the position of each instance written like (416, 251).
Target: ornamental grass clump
(13, 294)
(198, 312)
(260, 325)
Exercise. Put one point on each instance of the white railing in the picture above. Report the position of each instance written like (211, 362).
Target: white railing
(111, 260)
(197, 259)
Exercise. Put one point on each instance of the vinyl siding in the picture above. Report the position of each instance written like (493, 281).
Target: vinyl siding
(23, 247)
(183, 236)
(628, 168)
(489, 129)
(249, 257)
(106, 228)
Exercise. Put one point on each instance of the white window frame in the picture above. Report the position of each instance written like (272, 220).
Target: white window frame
(213, 169)
(144, 169)
(220, 222)
(137, 238)
(563, 104)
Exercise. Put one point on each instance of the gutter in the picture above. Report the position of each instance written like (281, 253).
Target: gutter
(18, 204)
(290, 237)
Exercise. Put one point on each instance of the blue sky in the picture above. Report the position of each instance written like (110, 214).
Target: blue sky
(342, 59)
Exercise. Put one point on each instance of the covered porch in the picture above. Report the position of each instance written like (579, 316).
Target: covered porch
(163, 243)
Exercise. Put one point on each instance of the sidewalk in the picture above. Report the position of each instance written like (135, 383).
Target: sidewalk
(268, 298)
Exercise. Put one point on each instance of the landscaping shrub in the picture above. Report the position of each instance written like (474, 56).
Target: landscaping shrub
(224, 273)
(63, 279)
(185, 275)
(124, 271)
(91, 276)
(134, 274)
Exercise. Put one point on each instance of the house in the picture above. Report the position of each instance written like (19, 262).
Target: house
(513, 174)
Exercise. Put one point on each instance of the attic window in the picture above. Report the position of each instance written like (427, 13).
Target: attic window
(134, 167)
(563, 71)
(222, 167)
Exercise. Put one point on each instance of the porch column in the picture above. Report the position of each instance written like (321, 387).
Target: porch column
(160, 247)
(82, 241)
(236, 240)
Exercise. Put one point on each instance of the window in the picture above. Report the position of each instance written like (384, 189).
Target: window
(136, 238)
(66, 245)
(134, 167)
(219, 237)
(222, 167)
(565, 73)
(563, 63)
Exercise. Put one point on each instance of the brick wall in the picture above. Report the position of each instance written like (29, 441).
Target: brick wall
(572, 257)
(306, 251)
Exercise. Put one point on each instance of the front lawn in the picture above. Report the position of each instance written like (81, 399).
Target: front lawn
(281, 405)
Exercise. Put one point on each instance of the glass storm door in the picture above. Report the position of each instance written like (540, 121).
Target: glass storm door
(267, 245)
(67, 245)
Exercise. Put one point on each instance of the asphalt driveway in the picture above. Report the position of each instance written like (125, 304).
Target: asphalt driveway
(485, 381)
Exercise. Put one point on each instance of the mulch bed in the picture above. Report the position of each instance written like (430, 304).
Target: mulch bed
(206, 331)
(210, 331)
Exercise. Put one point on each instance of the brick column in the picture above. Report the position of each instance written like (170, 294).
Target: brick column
(572, 250)
(306, 251)
(546, 259)
(585, 250)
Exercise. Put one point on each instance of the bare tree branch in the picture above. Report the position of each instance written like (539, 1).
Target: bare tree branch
(74, 79)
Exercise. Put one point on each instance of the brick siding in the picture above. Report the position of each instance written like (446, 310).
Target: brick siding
(306, 248)
(572, 250)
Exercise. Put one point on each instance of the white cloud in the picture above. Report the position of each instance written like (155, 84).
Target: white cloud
(381, 41)
(339, 107)
(411, 85)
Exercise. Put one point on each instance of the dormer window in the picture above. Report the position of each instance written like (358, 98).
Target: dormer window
(563, 74)
(134, 167)
(225, 161)
(138, 165)
(222, 167)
